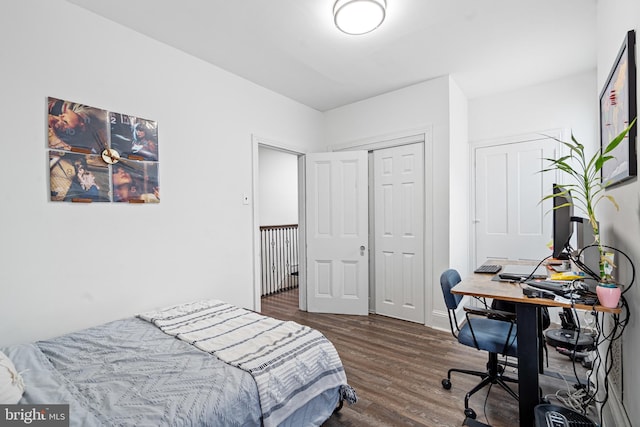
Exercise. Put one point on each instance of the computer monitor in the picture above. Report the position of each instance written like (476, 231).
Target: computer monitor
(589, 260)
(562, 224)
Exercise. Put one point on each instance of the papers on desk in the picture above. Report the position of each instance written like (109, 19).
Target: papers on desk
(568, 275)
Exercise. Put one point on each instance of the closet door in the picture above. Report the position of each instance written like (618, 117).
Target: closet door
(399, 232)
(511, 221)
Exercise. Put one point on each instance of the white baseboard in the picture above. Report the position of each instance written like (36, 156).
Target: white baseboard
(440, 321)
(613, 413)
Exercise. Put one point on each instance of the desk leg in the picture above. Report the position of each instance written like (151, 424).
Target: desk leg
(528, 386)
(541, 348)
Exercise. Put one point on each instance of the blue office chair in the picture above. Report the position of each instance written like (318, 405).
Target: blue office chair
(485, 329)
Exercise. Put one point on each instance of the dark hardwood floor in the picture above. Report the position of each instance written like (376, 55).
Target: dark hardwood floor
(396, 368)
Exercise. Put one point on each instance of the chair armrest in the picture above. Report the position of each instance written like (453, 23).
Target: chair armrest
(494, 314)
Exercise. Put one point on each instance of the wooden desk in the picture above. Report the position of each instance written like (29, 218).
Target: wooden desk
(527, 309)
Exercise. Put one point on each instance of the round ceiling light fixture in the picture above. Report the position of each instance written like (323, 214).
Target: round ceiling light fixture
(359, 16)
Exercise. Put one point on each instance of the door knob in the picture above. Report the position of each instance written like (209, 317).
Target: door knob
(362, 248)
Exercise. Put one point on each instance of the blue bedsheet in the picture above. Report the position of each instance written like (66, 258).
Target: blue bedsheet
(128, 372)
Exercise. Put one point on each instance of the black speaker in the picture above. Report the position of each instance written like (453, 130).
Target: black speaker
(547, 415)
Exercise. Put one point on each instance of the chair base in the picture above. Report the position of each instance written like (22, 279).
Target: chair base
(493, 375)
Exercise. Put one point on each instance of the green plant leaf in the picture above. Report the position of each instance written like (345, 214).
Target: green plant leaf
(587, 191)
(601, 161)
(618, 139)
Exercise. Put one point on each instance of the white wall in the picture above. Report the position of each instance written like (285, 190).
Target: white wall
(621, 229)
(459, 176)
(417, 106)
(569, 103)
(278, 187)
(66, 266)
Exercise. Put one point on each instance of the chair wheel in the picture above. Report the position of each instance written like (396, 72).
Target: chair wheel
(470, 413)
(446, 384)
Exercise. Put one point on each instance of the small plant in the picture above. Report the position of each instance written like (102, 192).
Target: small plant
(588, 189)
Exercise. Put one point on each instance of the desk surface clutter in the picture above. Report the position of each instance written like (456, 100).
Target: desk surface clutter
(512, 289)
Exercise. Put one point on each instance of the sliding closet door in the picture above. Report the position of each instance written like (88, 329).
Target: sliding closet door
(399, 232)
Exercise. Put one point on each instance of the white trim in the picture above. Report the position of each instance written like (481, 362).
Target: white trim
(394, 139)
(430, 317)
(440, 321)
(257, 291)
(619, 417)
(302, 233)
(256, 142)
(557, 133)
(371, 232)
(278, 145)
(614, 415)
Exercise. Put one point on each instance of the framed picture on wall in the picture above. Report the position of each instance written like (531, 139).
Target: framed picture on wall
(97, 155)
(617, 109)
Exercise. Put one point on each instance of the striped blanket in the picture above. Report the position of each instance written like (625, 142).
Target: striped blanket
(290, 363)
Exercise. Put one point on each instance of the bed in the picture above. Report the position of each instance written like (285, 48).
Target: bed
(202, 363)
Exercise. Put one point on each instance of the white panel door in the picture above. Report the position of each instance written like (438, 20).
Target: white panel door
(510, 220)
(399, 232)
(337, 232)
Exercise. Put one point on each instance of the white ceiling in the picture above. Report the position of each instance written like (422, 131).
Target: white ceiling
(293, 48)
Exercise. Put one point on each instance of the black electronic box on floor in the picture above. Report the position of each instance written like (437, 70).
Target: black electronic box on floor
(547, 415)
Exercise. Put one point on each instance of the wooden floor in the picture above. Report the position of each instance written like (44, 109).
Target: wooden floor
(396, 368)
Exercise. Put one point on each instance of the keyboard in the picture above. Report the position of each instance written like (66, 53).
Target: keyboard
(488, 268)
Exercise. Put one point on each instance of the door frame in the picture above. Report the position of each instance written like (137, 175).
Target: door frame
(256, 143)
(423, 134)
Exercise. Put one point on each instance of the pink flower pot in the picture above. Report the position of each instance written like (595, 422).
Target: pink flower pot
(609, 296)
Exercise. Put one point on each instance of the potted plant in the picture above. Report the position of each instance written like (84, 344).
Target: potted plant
(587, 191)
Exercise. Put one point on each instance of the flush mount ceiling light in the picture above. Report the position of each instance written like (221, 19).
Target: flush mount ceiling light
(359, 16)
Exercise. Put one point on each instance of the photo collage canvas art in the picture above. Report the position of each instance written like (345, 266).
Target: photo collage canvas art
(101, 156)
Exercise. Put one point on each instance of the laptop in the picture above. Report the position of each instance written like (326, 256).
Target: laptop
(515, 271)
